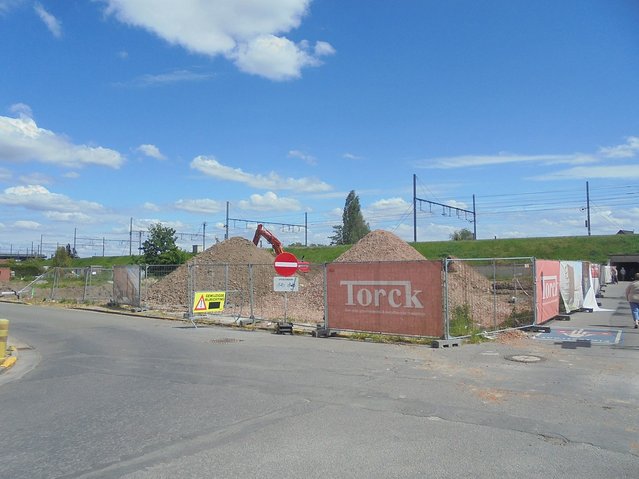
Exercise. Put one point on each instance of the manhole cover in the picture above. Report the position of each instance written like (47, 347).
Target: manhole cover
(225, 341)
(524, 358)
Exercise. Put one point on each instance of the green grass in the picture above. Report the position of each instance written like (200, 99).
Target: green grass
(580, 248)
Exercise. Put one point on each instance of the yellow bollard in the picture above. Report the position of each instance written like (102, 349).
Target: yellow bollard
(4, 334)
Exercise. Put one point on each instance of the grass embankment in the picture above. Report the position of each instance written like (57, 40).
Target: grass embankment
(579, 248)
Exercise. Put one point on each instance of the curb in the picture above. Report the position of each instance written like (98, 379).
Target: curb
(9, 361)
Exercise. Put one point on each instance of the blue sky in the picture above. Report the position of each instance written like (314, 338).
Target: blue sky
(146, 111)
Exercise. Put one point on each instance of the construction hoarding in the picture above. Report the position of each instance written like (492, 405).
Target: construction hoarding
(402, 297)
(547, 298)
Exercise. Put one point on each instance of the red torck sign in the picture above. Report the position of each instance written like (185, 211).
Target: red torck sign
(285, 264)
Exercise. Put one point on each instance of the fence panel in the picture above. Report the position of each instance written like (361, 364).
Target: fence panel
(250, 292)
(98, 285)
(488, 294)
(164, 287)
(127, 283)
(403, 297)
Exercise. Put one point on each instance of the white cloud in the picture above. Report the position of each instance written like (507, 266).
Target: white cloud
(151, 151)
(36, 197)
(248, 32)
(305, 157)
(276, 58)
(177, 76)
(5, 174)
(6, 5)
(269, 201)
(625, 172)
(211, 167)
(52, 23)
(22, 140)
(150, 206)
(35, 178)
(69, 217)
(72, 175)
(206, 206)
(350, 156)
(22, 110)
(628, 150)
(26, 225)
(466, 161)
(391, 204)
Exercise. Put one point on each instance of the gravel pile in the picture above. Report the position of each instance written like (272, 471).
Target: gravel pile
(380, 245)
(222, 264)
(230, 259)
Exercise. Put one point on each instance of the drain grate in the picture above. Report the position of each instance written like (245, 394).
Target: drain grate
(224, 341)
(524, 358)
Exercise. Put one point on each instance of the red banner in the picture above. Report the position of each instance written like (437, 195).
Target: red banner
(395, 297)
(548, 293)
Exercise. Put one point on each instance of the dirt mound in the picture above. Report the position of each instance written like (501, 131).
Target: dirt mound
(380, 245)
(222, 265)
(234, 250)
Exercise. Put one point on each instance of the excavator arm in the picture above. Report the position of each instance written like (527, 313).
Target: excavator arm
(262, 232)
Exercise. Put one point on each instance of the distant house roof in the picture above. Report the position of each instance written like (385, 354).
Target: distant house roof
(625, 232)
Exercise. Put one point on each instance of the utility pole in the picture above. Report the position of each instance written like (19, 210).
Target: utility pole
(226, 223)
(474, 219)
(588, 208)
(414, 208)
(204, 236)
(131, 237)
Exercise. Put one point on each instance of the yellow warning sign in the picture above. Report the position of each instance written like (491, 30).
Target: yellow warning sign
(208, 301)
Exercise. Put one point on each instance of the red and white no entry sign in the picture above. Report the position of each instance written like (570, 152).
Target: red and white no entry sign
(285, 264)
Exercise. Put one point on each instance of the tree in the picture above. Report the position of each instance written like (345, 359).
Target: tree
(353, 227)
(61, 257)
(160, 247)
(462, 234)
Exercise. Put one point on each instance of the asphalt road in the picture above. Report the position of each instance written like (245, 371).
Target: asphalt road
(108, 396)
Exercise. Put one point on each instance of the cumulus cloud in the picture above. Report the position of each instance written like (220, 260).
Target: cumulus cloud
(22, 140)
(269, 201)
(272, 181)
(52, 23)
(276, 58)
(38, 198)
(247, 32)
(203, 205)
(151, 151)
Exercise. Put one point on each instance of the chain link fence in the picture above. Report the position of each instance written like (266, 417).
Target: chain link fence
(488, 295)
(92, 284)
(476, 294)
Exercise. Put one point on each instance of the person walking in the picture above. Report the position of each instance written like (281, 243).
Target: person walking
(622, 274)
(632, 295)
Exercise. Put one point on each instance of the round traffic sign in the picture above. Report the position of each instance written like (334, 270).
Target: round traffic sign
(285, 264)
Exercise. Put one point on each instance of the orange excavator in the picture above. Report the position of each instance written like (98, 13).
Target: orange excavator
(262, 232)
